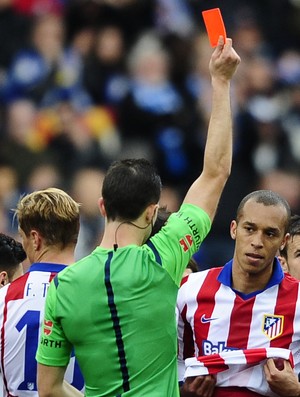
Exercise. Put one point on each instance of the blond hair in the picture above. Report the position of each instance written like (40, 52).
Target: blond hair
(53, 213)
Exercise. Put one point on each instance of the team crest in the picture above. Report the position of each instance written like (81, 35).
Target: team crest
(30, 386)
(272, 325)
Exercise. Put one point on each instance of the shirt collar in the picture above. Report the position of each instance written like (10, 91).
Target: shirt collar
(46, 267)
(225, 277)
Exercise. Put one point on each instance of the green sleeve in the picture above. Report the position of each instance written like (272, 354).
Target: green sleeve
(180, 238)
(54, 349)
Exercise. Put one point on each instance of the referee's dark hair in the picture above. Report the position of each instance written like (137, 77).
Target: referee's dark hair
(129, 186)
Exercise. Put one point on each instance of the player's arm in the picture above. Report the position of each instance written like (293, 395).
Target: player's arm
(51, 383)
(206, 191)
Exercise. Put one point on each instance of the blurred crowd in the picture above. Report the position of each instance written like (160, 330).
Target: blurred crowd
(85, 82)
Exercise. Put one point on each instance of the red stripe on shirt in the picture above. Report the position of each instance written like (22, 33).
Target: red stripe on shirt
(240, 321)
(14, 291)
(215, 363)
(252, 355)
(286, 308)
(205, 306)
(52, 275)
(188, 340)
(16, 288)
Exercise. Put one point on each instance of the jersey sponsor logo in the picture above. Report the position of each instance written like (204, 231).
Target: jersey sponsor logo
(51, 343)
(194, 230)
(48, 325)
(186, 242)
(210, 348)
(272, 325)
(205, 320)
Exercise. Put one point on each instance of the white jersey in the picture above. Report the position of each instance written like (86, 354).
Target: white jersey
(213, 318)
(21, 313)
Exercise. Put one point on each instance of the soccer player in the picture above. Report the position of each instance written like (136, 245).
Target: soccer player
(116, 307)
(48, 223)
(290, 254)
(12, 255)
(246, 311)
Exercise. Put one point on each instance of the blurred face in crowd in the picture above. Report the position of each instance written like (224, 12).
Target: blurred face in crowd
(109, 44)
(48, 36)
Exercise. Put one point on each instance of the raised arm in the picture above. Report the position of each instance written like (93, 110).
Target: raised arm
(206, 191)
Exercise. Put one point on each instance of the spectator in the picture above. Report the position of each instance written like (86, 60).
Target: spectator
(49, 71)
(104, 74)
(164, 126)
(86, 187)
(9, 195)
(17, 146)
(44, 175)
(284, 182)
(86, 138)
(14, 32)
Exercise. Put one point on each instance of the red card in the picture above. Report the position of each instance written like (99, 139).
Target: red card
(214, 25)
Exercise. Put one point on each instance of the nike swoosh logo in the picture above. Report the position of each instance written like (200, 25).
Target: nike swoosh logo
(205, 320)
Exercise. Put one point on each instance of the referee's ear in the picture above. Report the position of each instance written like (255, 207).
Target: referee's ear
(102, 207)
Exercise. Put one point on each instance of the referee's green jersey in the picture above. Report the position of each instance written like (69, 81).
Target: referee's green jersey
(117, 309)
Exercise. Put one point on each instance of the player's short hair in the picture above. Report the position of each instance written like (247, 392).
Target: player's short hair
(129, 186)
(293, 230)
(267, 198)
(11, 254)
(53, 213)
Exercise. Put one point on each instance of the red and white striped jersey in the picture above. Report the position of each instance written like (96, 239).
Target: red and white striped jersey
(213, 318)
(21, 313)
(240, 368)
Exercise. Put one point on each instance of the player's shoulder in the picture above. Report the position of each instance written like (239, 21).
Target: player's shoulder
(191, 284)
(290, 280)
(194, 282)
(3, 292)
(13, 292)
(200, 275)
(16, 285)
